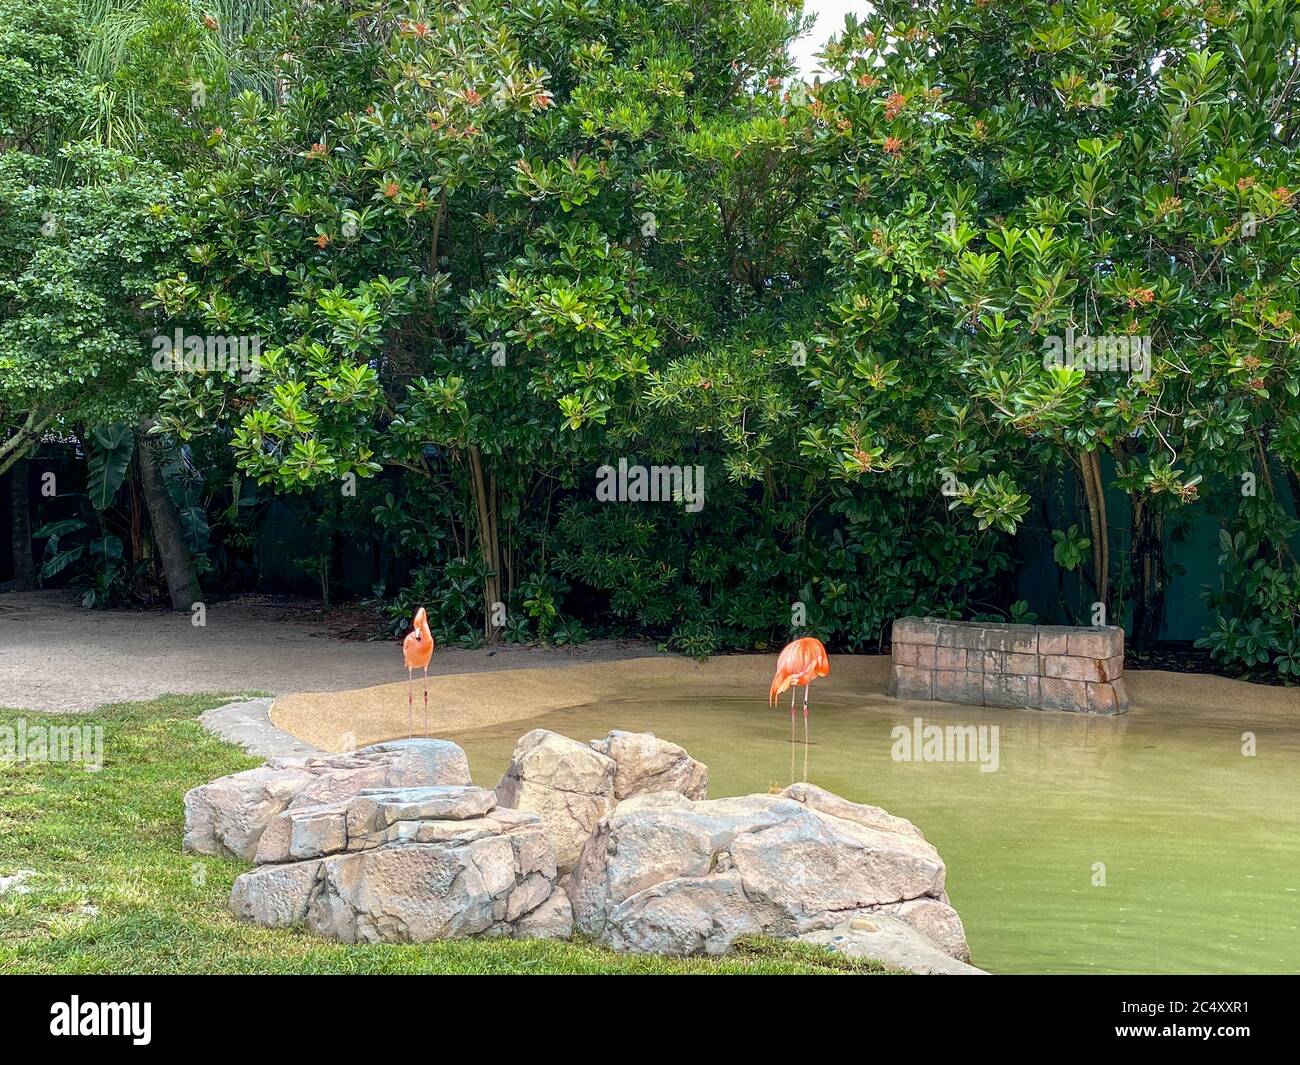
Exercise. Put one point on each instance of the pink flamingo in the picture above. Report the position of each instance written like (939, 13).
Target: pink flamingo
(800, 663)
(417, 649)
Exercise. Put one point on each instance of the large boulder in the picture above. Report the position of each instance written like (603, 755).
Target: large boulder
(615, 837)
(665, 874)
(567, 784)
(572, 785)
(406, 865)
(228, 816)
(648, 764)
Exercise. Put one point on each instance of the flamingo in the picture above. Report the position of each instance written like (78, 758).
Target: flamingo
(417, 649)
(800, 663)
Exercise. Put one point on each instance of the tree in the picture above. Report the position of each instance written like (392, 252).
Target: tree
(21, 527)
(465, 232)
(83, 229)
(1076, 222)
(151, 66)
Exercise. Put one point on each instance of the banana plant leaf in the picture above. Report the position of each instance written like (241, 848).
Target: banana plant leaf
(110, 456)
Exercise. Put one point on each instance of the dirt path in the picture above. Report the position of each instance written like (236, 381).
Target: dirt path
(55, 656)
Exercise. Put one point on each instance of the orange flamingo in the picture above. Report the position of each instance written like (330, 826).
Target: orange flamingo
(417, 649)
(801, 662)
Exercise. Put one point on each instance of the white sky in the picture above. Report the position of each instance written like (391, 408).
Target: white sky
(830, 20)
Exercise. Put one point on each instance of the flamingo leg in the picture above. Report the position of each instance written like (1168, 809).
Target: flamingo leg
(426, 702)
(805, 734)
(410, 702)
(793, 692)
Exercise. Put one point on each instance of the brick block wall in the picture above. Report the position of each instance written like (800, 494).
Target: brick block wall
(1035, 667)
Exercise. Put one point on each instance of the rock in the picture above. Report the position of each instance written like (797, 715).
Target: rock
(891, 941)
(567, 784)
(276, 896)
(304, 832)
(419, 892)
(374, 811)
(665, 874)
(647, 764)
(14, 883)
(694, 915)
(553, 919)
(407, 865)
(227, 816)
(572, 785)
(937, 921)
(871, 816)
(385, 815)
(613, 837)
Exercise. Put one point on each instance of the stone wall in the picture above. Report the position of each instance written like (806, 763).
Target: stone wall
(1039, 667)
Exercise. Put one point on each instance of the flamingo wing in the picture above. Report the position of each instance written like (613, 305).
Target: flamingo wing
(801, 662)
(417, 648)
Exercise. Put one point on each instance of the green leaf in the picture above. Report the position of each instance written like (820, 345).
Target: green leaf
(58, 528)
(194, 527)
(109, 459)
(60, 560)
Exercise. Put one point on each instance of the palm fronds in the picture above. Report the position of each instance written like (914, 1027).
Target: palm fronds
(112, 27)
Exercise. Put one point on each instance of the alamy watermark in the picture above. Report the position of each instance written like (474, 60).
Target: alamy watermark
(920, 742)
(38, 744)
(120, 1019)
(1100, 354)
(195, 353)
(630, 483)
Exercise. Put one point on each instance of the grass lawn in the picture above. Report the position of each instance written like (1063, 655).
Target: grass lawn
(111, 891)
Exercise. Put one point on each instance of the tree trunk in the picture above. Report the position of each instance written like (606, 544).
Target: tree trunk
(1148, 573)
(24, 567)
(1095, 494)
(485, 505)
(178, 567)
(1104, 592)
(143, 578)
(24, 437)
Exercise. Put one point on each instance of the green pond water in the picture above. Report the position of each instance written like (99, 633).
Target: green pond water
(1200, 844)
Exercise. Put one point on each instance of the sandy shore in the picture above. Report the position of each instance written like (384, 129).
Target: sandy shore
(462, 703)
(334, 720)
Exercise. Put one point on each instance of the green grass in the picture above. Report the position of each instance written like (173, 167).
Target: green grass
(112, 892)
